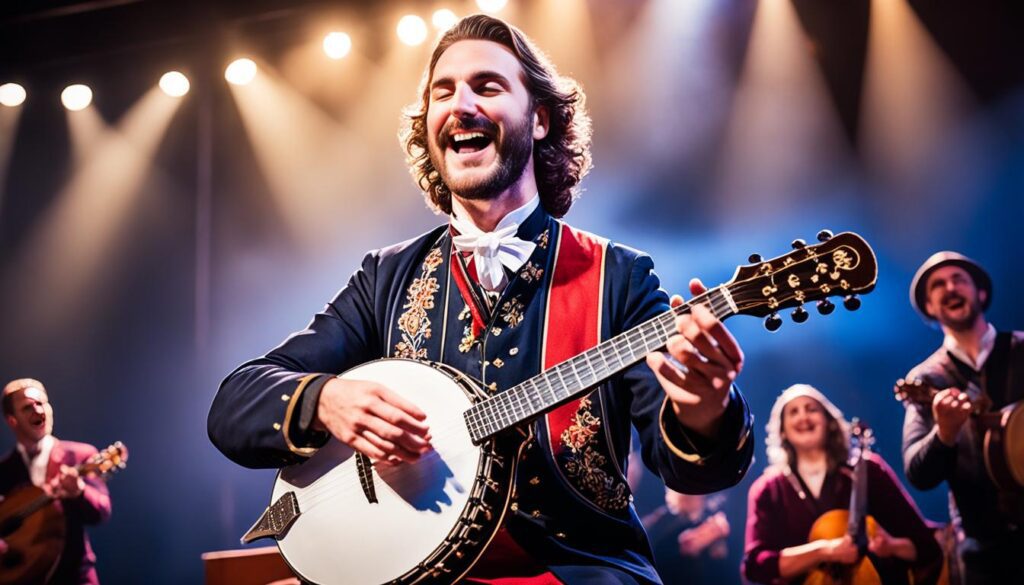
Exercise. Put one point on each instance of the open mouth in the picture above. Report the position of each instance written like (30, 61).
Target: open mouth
(469, 142)
(955, 302)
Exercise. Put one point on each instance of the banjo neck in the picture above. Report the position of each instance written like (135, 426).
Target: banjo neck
(843, 265)
(575, 376)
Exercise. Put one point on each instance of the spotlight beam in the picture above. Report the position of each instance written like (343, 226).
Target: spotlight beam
(67, 259)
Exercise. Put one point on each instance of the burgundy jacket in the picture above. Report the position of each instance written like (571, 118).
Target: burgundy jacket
(77, 564)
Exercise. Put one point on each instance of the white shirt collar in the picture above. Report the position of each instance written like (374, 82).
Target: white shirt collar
(988, 341)
(37, 465)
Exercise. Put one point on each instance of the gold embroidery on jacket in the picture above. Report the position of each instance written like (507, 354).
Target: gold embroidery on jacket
(512, 312)
(542, 239)
(414, 323)
(467, 331)
(531, 272)
(586, 465)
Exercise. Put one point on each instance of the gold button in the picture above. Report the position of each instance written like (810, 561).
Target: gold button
(560, 535)
(513, 351)
(514, 507)
(285, 398)
(277, 426)
(534, 481)
(498, 362)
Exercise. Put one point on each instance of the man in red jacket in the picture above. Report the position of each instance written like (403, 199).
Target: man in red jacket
(41, 459)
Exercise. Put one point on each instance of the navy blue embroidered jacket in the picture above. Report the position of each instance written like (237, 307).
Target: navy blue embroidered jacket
(404, 302)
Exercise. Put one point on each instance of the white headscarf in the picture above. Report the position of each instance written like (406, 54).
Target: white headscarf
(776, 452)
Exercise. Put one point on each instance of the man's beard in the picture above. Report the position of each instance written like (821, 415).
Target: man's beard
(966, 322)
(513, 151)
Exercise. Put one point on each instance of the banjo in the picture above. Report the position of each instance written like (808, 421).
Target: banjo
(335, 516)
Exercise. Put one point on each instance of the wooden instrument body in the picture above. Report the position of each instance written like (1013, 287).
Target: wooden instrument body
(35, 541)
(1004, 448)
(834, 524)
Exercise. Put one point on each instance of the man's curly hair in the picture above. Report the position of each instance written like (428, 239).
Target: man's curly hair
(561, 159)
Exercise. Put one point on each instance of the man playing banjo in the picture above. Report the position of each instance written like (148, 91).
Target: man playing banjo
(499, 143)
(976, 365)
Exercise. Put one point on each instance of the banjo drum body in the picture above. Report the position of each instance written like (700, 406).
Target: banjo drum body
(346, 521)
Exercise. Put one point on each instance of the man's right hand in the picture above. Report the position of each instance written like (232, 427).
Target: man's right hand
(951, 409)
(373, 420)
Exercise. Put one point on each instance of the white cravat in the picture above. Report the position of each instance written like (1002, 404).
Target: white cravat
(492, 250)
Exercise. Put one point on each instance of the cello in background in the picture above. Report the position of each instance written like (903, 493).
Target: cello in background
(33, 526)
(854, 521)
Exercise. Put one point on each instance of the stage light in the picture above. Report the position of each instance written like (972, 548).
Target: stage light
(491, 5)
(444, 19)
(174, 84)
(337, 45)
(240, 72)
(412, 30)
(76, 97)
(12, 95)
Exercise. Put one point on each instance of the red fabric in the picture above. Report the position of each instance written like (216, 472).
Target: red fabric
(506, 563)
(574, 308)
(464, 290)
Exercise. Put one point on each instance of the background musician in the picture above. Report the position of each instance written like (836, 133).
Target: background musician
(941, 440)
(808, 445)
(689, 535)
(42, 460)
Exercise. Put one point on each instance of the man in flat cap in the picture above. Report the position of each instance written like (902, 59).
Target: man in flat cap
(976, 369)
(42, 460)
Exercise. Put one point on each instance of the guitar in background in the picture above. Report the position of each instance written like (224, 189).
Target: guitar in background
(32, 522)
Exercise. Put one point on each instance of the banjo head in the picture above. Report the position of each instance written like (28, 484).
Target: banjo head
(340, 536)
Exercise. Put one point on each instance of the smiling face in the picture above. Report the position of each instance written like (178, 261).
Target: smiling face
(952, 298)
(481, 124)
(32, 416)
(804, 424)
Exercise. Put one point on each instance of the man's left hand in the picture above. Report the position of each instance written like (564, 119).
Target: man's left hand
(711, 360)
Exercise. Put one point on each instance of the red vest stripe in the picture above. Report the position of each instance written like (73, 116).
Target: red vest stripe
(574, 312)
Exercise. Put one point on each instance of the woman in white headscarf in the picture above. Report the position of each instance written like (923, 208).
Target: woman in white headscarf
(808, 444)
